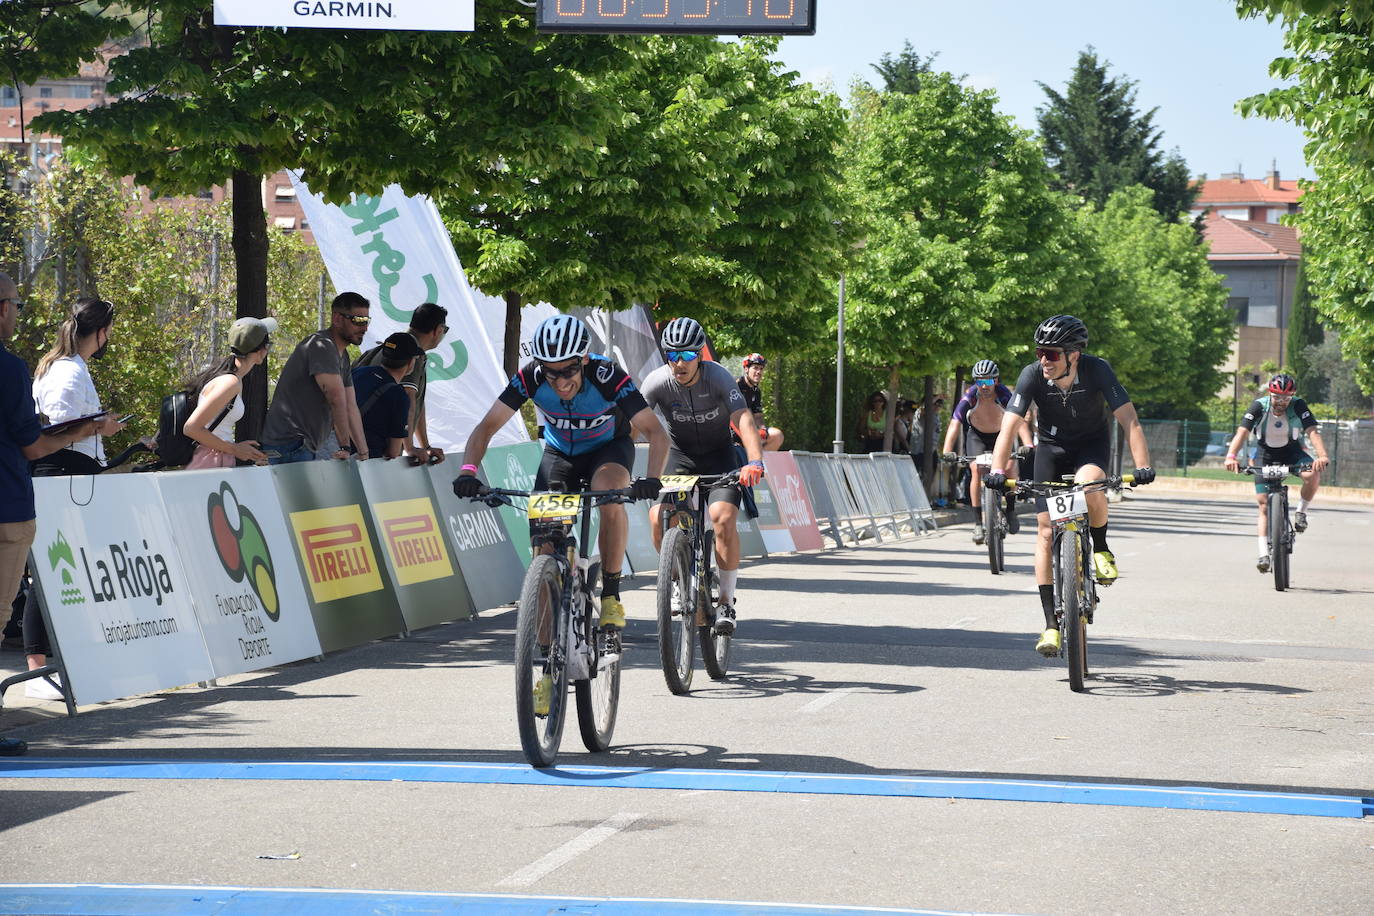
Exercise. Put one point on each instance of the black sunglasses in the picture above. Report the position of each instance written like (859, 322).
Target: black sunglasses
(569, 372)
(17, 303)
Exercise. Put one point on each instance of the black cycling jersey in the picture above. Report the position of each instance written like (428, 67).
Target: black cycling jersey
(1083, 412)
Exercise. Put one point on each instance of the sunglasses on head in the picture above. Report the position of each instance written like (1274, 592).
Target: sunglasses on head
(567, 372)
(682, 356)
(1053, 356)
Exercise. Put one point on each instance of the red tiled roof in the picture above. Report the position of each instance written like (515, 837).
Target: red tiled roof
(1246, 191)
(1241, 240)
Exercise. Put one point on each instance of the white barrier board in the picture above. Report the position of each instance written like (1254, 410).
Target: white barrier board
(246, 586)
(115, 589)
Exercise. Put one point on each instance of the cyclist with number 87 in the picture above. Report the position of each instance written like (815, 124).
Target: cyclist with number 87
(586, 400)
(698, 401)
(1075, 395)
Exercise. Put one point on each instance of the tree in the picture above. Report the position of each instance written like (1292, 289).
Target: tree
(1304, 331)
(966, 246)
(1329, 74)
(1097, 141)
(905, 72)
(1338, 372)
(202, 105)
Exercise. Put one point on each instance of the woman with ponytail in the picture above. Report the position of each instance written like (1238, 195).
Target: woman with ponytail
(219, 406)
(63, 388)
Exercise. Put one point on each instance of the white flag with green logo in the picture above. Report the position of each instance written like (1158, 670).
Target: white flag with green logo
(395, 251)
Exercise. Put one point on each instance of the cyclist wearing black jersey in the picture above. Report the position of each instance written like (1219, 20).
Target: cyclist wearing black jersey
(749, 382)
(699, 402)
(1076, 396)
(589, 404)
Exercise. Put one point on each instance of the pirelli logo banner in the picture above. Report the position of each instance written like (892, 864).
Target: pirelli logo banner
(337, 553)
(413, 540)
(399, 15)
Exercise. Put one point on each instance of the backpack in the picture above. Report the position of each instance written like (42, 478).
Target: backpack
(174, 448)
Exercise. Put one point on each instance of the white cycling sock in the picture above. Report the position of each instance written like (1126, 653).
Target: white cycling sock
(1263, 545)
(727, 585)
(1304, 504)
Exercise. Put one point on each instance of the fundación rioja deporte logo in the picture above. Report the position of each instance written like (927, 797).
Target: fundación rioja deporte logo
(242, 547)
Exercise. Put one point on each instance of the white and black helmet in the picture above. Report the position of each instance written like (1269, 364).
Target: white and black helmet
(560, 338)
(683, 334)
(985, 368)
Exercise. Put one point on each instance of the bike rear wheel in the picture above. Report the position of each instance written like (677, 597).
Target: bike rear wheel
(677, 616)
(540, 648)
(1278, 540)
(598, 697)
(1073, 624)
(715, 649)
(994, 529)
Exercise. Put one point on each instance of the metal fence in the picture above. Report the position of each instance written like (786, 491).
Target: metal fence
(1191, 448)
(858, 497)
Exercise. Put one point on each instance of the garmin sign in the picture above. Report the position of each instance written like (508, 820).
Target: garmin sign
(399, 15)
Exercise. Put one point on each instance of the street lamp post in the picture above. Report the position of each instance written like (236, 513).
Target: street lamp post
(838, 444)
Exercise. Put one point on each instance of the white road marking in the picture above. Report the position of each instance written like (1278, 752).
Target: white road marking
(825, 700)
(570, 850)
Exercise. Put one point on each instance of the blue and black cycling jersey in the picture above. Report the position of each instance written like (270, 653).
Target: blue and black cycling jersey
(596, 415)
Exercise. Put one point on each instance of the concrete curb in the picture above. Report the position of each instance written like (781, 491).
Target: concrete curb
(1201, 486)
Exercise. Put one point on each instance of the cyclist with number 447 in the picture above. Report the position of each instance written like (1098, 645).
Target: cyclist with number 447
(699, 400)
(1075, 397)
(1278, 422)
(586, 400)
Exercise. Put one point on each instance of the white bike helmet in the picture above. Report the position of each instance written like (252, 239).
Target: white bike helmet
(985, 368)
(683, 334)
(560, 338)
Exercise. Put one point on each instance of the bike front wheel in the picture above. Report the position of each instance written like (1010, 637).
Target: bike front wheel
(598, 697)
(1074, 622)
(541, 651)
(1278, 540)
(715, 649)
(994, 529)
(676, 614)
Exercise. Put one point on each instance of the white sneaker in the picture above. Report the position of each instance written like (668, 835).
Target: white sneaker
(39, 689)
(725, 619)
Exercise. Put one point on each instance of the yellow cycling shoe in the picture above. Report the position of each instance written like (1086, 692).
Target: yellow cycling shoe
(1048, 645)
(612, 613)
(1104, 568)
(543, 695)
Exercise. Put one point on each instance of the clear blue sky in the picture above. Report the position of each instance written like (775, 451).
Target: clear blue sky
(1190, 58)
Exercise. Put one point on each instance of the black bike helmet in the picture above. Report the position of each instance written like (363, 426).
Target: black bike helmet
(1283, 383)
(985, 368)
(1063, 331)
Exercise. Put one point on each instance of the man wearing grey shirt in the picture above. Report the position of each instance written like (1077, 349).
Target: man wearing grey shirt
(315, 390)
(698, 402)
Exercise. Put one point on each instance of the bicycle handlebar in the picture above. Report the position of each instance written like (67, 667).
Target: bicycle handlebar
(495, 496)
(1051, 487)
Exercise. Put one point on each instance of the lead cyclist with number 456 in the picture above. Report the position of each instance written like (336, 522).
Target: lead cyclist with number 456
(699, 400)
(1076, 396)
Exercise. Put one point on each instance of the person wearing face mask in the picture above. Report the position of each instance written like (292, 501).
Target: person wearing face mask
(1279, 421)
(63, 388)
(973, 429)
(1075, 396)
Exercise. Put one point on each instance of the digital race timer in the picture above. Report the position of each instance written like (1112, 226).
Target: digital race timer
(716, 17)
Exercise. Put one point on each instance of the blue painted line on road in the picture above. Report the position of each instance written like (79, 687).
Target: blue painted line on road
(164, 900)
(1195, 798)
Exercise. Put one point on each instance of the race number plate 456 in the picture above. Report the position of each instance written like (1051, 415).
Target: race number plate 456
(554, 505)
(1067, 505)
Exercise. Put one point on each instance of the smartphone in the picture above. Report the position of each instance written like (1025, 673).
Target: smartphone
(271, 453)
(125, 419)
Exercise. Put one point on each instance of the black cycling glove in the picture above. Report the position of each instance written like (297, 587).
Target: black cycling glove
(646, 488)
(466, 486)
(1144, 475)
(995, 480)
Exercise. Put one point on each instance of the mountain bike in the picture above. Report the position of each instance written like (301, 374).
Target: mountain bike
(1281, 533)
(556, 631)
(994, 512)
(686, 582)
(1075, 588)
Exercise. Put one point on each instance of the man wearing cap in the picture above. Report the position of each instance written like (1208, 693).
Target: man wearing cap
(383, 402)
(748, 383)
(219, 405)
(428, 325)
(313, 392)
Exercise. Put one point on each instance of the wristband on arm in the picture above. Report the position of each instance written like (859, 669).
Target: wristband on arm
(469, 467)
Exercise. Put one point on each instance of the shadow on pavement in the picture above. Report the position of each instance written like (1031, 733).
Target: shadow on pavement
(26, 807)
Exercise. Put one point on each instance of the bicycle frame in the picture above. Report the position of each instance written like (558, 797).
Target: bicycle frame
(1280, 529)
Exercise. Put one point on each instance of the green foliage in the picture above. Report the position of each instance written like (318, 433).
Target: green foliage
(904, 72)
(1098, 143)
(1159, 312)
(1338, 373)
(42, 38)
(1304, 331)
(173, 307)
(965, 245)
(1330, 75)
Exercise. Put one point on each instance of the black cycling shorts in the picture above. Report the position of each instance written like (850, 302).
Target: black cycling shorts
(1055, 459)
(1292, 454)
(720, 461)
(976, 442)
(574, 472)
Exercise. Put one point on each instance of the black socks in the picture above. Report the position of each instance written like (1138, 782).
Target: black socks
(610, 585)
(1099, 536)
(1047, 604)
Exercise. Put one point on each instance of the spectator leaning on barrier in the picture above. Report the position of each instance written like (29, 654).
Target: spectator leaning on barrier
(428, 326)
(383, 401)
(314, 391)
(64, 390)
(21, 441)
(219, 406)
